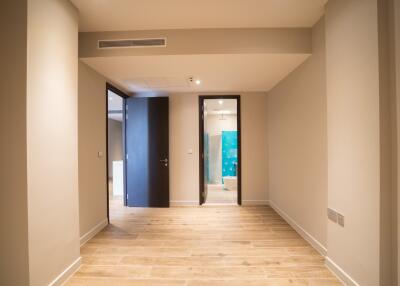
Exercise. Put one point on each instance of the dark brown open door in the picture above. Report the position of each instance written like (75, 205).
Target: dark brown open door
(147, 169)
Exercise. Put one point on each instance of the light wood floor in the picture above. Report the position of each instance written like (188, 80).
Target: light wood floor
(199, 246)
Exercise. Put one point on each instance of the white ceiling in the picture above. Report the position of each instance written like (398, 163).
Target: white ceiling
(220, 106)
(122, 15)
(218, 73)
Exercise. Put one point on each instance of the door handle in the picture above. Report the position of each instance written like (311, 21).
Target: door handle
(165, 161)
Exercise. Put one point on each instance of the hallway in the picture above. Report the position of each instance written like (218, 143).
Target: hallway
(199, 246)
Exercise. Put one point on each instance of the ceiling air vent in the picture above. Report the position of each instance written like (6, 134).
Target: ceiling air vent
(132, 43)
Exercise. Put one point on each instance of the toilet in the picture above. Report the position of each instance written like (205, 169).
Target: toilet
(230, 183)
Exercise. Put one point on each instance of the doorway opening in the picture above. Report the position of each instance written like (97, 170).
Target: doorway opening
(220, 150)
(115, 147)
(137, 150)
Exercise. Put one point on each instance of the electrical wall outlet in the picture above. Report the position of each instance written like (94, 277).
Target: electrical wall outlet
(336, 217)
(340, 219)
(332, 215)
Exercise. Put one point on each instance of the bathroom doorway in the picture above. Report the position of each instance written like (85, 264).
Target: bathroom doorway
(220, 150)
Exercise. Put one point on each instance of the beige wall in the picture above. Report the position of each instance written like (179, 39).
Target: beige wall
(184, 135)
(254, 151)
(396, 76)
(354, 137)
(115, 152)
(14, 268)
(387, 106)
(397, 90)
(92, 139)
(297, 138)
(52, 137)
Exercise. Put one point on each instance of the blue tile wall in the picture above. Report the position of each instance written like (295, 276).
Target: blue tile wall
(229, 153)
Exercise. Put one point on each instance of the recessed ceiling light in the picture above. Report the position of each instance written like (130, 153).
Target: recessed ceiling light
(198, 82)
(220, 102)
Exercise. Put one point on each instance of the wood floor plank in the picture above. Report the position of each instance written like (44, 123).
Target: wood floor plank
(266, 282)
(199, 246)
(188, 273)
(113, 271)
(75, 281)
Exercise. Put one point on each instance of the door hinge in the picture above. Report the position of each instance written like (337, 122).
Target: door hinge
(127, 156)
(127, 196)
(126, 117)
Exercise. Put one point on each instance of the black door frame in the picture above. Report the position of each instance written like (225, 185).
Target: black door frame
(201, 143)
(110, 87)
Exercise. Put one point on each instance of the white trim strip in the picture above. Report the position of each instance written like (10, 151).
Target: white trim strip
(95, 230)
(308, 237)
(196, 203)
(255, 202)
(68, 272)
(340, 273)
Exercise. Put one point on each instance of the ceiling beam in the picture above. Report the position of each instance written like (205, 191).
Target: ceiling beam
(203, 41)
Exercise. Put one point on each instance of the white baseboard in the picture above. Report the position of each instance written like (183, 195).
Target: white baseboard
(196, 203)
(95, 230)
(255, 202)
(68, 272)
(340, 273)
(183, 203)
(308, 237)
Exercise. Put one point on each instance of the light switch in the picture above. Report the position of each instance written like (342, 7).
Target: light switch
(190, 151)
(100, 154)
(336, 217)
(341, 220)
(332, 215)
